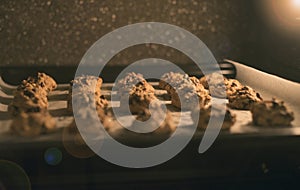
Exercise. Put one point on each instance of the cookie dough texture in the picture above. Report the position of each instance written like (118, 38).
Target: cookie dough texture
(188, 97)
(218, 85)
(46, 82)
(239, 96)
(232, 85)
(29, 106)
(212, 79)
(131, 80)
(171, 81)
(216, 112)
(136, 92)
(271, 113)
(85, 90)
(29, 97)
(189, 89)
(243, 98)
(139, 99)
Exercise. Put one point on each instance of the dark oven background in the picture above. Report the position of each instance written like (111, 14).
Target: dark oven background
(46, 34)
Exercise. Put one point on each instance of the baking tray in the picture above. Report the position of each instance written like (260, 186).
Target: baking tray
(267, 85)
(244, 156)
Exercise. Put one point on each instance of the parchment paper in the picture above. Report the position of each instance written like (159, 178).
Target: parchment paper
(267, 85)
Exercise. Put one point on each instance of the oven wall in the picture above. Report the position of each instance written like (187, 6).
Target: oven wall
(58, 33)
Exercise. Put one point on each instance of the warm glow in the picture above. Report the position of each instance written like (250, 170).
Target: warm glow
(282, 15)
(296, 2)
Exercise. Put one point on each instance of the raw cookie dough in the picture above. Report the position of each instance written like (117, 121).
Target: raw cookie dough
(212, 79)
(46, 82)
(239, 96)
(206, 113)
(136, 92)
(139, 99)
(131, 80)
(85, 84)
(29, 106)
(243, 98)
(190, 97)
(232, 85)
(29, 97)
(189, 88)
(271, 113)
(219, 85)
(171, 81)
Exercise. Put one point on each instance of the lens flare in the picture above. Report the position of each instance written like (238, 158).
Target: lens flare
(53, 156)
(74, 145)
(13, 176)
(296, 3)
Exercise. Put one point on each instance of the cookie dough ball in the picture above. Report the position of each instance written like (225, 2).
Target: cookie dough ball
(136, 92)
(220, 86)
(243, 98)
(33, 124)
(190, 96)
(196, 82)
(232, 85)
(166, 79)
(101, 102)
(29, 97)
(139, 98)
(271, 113)
(185, 97)
(215, 112)
(87, 82)
(212, 79)
(188, 88)
(84, 100)
(131, 80)
(82, 90)
(46, 82)
(171, 81)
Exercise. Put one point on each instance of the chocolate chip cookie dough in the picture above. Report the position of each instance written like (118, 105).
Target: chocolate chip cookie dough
(136, 91)
(46, 82)
(139, 99)
(243, 98)
(29, 97)
(86, 92)
(171, 81)
(271, 113)
(218, 85)
(131, 80)
(91, 86)
(212, 79)
(215, 112)
(29, 106)
(188, 88)
(239, 96)
(190, 96)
